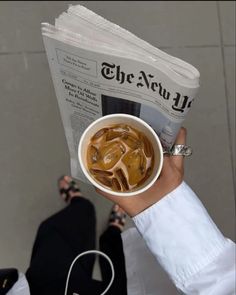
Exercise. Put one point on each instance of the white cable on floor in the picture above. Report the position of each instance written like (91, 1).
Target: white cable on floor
(92, 252)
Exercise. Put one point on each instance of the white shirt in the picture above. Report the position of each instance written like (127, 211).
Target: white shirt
(21, 287)
(186, 243)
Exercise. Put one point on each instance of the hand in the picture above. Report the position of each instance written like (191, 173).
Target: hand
(170, 178)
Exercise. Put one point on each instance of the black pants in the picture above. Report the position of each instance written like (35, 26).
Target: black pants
(60, 239)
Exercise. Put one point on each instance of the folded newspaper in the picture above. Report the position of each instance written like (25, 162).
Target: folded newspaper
(99, 68)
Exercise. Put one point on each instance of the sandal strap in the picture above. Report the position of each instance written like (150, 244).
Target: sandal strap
(72, 187)
(117, 216)
(66, 192)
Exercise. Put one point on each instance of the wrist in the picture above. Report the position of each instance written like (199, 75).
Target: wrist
(159, 191)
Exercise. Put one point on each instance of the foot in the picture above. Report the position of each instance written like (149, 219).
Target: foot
(117, 217)
(68, 188)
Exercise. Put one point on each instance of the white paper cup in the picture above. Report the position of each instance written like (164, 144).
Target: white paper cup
(133, 122)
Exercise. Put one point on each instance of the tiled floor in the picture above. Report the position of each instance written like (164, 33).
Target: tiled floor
(33, 148)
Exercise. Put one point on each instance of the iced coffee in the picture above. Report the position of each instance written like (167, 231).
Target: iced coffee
(120, 157)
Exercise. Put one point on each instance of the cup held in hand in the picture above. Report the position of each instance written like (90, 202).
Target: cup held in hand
(103, 145)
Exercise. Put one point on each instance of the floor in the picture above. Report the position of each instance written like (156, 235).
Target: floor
(33, 147)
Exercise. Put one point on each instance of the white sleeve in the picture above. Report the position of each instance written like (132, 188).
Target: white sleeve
(21, 287)
(188, 244)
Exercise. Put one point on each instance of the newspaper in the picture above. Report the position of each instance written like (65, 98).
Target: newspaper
(99, 68)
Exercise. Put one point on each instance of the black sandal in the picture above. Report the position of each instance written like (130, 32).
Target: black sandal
(117, 217)
(72, 187)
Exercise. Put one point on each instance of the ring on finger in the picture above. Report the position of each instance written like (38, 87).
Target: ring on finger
(179, 150)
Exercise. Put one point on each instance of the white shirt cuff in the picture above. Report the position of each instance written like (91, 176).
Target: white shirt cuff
(180, 233)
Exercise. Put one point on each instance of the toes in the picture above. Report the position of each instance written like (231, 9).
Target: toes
(63, 184)
(64, 196)
(68, 178)
(68, 188)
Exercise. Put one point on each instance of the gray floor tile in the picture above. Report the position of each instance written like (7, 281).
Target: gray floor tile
(227, 16)
(33, 154)
(209, 171)
(29, 24)
(8, 35)
(24, 33)
(229, 53)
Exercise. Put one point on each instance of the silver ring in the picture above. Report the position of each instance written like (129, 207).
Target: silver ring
(179, 150)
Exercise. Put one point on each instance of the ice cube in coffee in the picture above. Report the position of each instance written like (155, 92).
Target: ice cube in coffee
(120, 157)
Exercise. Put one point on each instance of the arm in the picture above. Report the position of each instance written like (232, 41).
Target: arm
(188, 245)
(180, 233)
